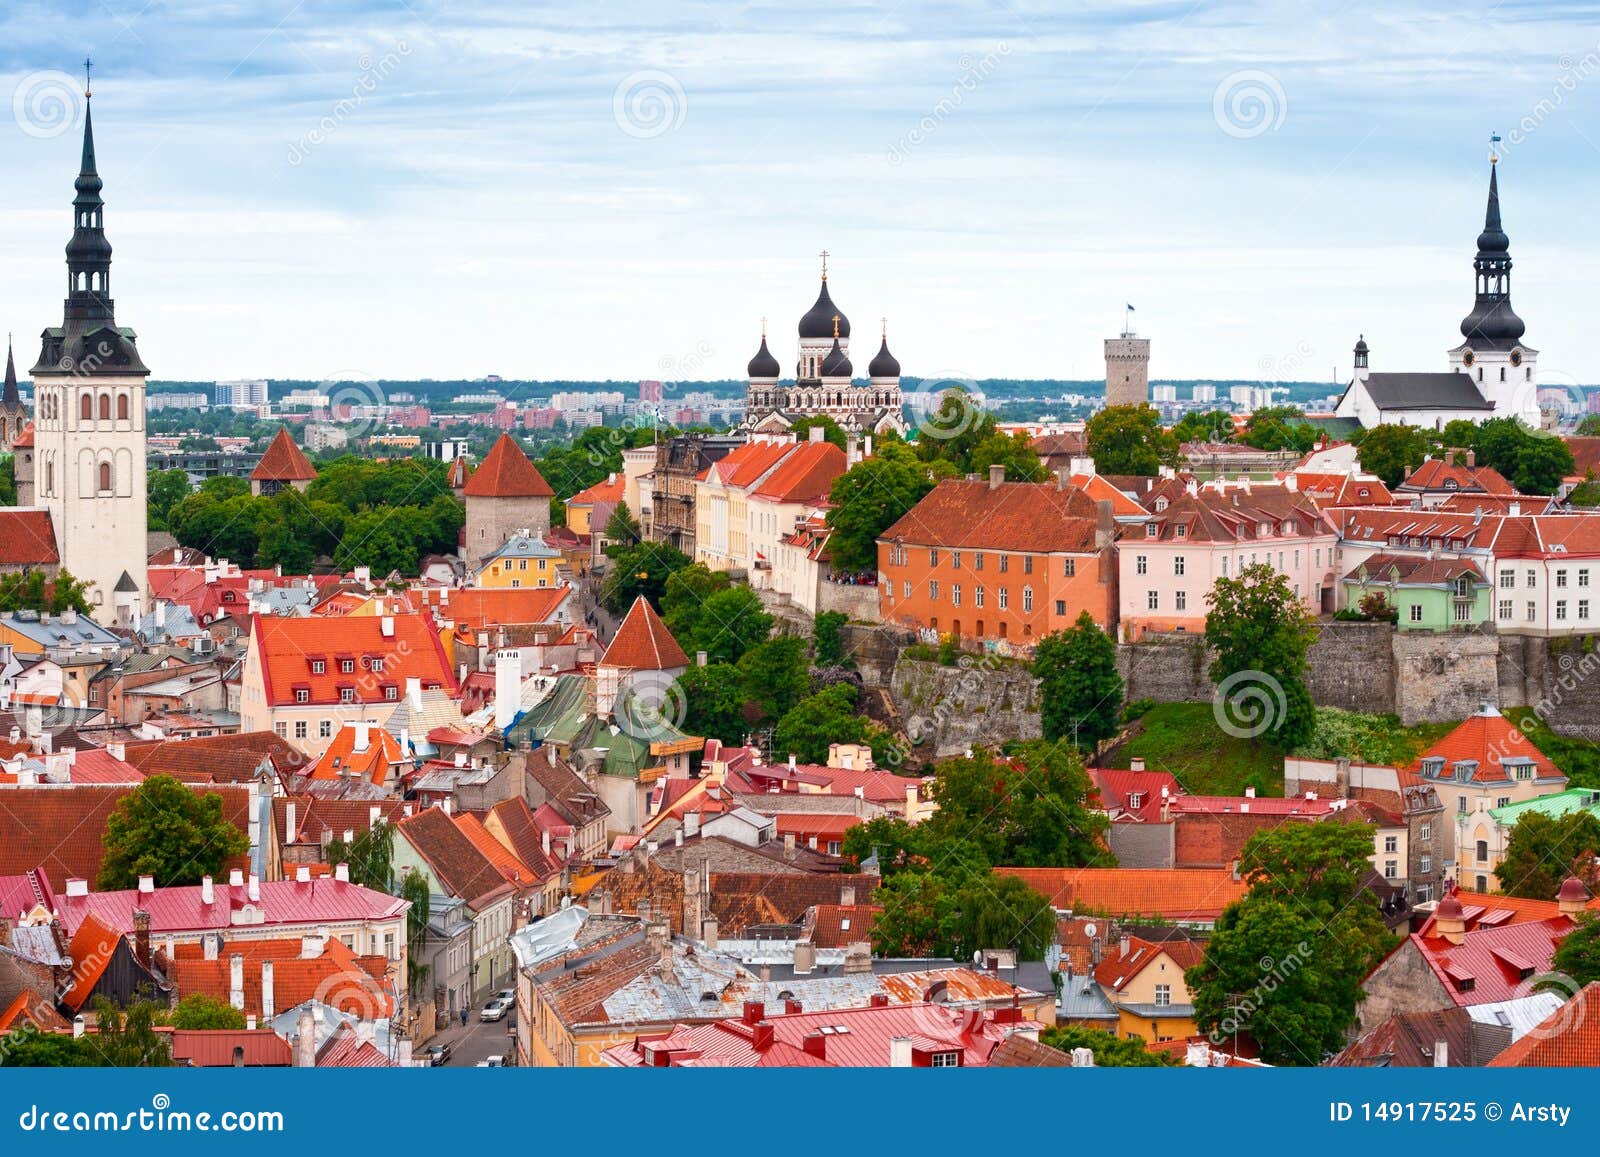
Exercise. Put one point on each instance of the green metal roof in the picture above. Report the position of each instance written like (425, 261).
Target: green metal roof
(1555, 806)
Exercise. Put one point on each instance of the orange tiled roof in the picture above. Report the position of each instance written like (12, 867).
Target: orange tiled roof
(1117, 969)
(341, 760)
(1568, 1038)
(1198, 894)
(507, 473)
(91, 950)
(24, 439)
(643, 642)
(503, 858)
(458, 867)
(1097, 488)
(610, 490)
(743, 467)
(337, 976)
(27, 538)
(479, 608)
(1020, 516)
(1437, 474)
(283, 461)
(804, 475)
(1488, 737)
(289, 650)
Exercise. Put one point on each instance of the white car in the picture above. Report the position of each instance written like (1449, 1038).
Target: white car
(507, 997)
(495, 1010)
(494, 1062)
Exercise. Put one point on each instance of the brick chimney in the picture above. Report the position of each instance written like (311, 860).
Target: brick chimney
(997, 475)
(141, 937)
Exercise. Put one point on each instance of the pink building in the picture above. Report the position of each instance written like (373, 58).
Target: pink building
(1167, 565)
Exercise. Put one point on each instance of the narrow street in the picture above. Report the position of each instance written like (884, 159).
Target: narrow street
(479, 1040)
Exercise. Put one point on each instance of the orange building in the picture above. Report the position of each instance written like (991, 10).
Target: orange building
(988, 560)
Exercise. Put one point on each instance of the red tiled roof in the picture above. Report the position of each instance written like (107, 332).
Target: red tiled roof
(288, 649)
(458, 866)
(1437, 474)
(746, 465)
(481, 608)
(31, 1008)
(27, 538)
(336, 976)
(804, 475)
(525, 833)
(346, 1050)
(643, 643)
(1488, 737)
(1568, 1038)
(1020, 516)
(610, 490)
(505, 861)
(1585, 456)
(216, 758)
(23, 439)
(1343, 489)
(341, 760)
(283, 903)
(507, 472)
(93, 945)
(1117, 969)
(283, 461)
(1098, 488)
(840, 925)
(1198, 894)
(213, 1048)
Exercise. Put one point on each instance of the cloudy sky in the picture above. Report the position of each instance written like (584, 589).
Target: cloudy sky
(443, 188)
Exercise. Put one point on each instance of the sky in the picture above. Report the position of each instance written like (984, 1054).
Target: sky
(331, 189)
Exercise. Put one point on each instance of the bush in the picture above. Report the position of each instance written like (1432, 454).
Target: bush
(1137, 709)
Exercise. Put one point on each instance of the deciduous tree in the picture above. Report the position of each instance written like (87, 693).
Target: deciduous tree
(164, 829)
(1080, 687)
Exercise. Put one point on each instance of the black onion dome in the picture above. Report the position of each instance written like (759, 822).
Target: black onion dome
(883, 363)
(836, 365)
(1361, 344)
(763, 365)
(818, 321)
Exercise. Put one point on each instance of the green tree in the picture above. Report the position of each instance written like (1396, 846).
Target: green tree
(8, 480)
(163, 829)
(827, 638)
(1015, 452)
(1210, 426)
(201, 1010)
(1280, 428)
(775, 677)
(640, 570)
(1544, 850)
(127, 1038)
(1110, 1052)
(1130, 440)
(831, 430)
(959, 912)
(414, 889)
(1080, 687)
(1542, 464)
(716, 702)
(953, 430)
(1027, 809)
(728, 624)
(32, 591)
(829, 716)
(684, 594)
(872, 496)
(1589, 427)
(1586, 494)
(622, 528)
(1261, 633)
(165, 489)
(1578, 955)
(898, 845)
(1389, 450)
(911, 921)
(370, 856)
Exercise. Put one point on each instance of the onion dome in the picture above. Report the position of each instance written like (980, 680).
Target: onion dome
(763, 365)
(1361, 344)
(1449, 908)
(819, 319)
(836, 364)
(883, 363)
(1573, 891)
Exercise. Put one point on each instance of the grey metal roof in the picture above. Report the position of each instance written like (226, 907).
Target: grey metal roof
(1441, 391)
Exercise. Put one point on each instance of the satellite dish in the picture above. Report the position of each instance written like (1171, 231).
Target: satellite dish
(1088, 930)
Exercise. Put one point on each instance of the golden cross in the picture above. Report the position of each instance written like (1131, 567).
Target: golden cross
(835, 327)
(824, 256)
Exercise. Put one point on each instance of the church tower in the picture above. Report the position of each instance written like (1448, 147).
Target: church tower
(1493, 355)
(13, 414)
(89, 420)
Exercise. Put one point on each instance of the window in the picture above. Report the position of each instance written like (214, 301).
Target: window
(1461, 805)
(1503, 801)
(318, 667)
(933, 590)
(1061, 606)
(86, 410)
(1181, 601)
(977, 600)
(347, 695)
(1533, 578)
(1177, 564)
(300, 729)
(955, 594)
(325, 729)
(1391, 844)
(1070, 567)
(105, 478)
(1163, 995)
(933, 558)
(1583, 577)
(1424, 864)
(1027, 599)
(955, 559)
(1141, 564)
(977, 561)
(390, 691)
(1390, 870)
(1004, 597)
(301, 695)
(1561, 578)
(122, 407)
(1151, 530)
(1505, 609)
(1561, 610)
(347, 665)
(1152, 600)
(1425, 832)
(1027, 564)
(1416, 612)
(1533, 611)
(945, 1061)
(1583, 608)
(1181, 530)
(281, 730)
(905, 589)
(1483, 851)
(1005, 563)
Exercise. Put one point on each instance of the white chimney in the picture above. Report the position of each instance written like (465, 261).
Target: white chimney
(147, 884)
(900, 1052)
(414, 692)
(253, 889)
(374, 814)
(236, 877)
(507, 687)
(544, 841)
(1249, 793)
(77, 1026)
(289, 815)
(77, 888)
(363, 735)
(266, 989)
(302, 874)
(386, 626)
(236, 981)
(1441, 1054)
(208, 894)
(117, 751)
(341, 873)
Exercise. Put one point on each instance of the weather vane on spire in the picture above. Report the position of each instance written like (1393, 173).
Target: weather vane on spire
(824, 256)
(88, 63)
(1494, 148)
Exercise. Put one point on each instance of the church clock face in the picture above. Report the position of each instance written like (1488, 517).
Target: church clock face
(1467, 359)
(1516, 357)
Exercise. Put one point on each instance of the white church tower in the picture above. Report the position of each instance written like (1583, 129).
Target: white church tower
(89, 420)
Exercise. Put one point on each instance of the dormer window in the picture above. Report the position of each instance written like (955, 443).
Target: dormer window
(319, 667)
(1135, 800)
(1151, 529)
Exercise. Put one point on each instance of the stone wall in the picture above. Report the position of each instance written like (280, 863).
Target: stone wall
(1352, 666)
(860, 603)
(1444, 677)
(875, 650)
(1558, 678)
(949, 709)
(1165, 668)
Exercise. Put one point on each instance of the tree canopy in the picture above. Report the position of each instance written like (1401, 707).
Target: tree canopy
(873, 495)
(1544, 850)
(1130, 440)
(1388, 451)
(164, 829)
(1080, 687)
(1261, 633)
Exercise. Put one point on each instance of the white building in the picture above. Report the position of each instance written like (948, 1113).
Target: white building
(241, 395)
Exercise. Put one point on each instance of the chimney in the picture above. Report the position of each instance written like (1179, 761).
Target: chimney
(761, 1036)
(266, 989)
(147, 884)
(253, 888)
(1083, 1058)
(1105, 524)
(816, 433)
(77, 1026)
(236, 981)
(414, 692)
(847, 896)
(507, 687)
(290, 814)
(77, 888)
(1514, 509)
(691, 824)
(1198, 1055)
(1136, 763)
(701, 658)
(386, 626)
(1441, 1054)
(544, 841)
(305, 1041)
(341, 873)
(235, 877)
(857, 958)
(363, 735)
(1249, 793)
(708, 932)
(997, 475)
(1472, 459)
(141, 937)
(1573, 898)
(788, 845)
(900, 1052)
(754, 1011)
(805, 957)
(117, 751)
(302, 874)
(374, 814)
(878, 1000)
(816, 1044)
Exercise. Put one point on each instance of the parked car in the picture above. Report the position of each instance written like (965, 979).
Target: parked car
(494, 1062)
(496, 1009)
(508, 996)
(438, 1054)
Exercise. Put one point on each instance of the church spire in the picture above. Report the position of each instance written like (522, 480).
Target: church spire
(1492, 325)
(11, 397)
(88, 253)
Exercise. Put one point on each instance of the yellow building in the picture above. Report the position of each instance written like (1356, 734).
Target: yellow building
(521, 561)
(1144, 981)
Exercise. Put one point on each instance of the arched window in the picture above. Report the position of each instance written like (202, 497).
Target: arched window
(105, 407)
(86, 410)
(105, 477)
(50, 477)
(122, 407)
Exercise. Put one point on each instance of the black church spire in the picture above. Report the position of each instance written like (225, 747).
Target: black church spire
(1492, 325)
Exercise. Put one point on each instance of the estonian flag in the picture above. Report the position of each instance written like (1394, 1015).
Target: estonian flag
(1131, 309)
